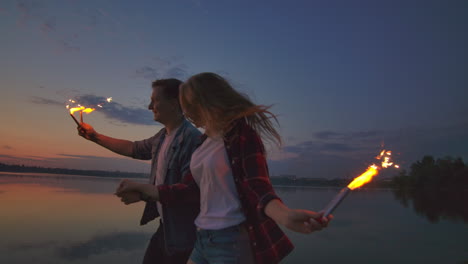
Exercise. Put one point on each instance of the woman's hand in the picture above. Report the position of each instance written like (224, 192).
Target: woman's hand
(304, 221)
(298, 220)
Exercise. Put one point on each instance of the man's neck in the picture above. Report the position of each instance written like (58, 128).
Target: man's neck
(173, 124)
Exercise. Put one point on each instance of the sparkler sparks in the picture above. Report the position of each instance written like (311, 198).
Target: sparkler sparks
(83, 109)
(362, 179)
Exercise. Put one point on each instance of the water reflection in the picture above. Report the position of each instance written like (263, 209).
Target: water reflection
(436, 205)
(123, 241)
(66, 183)
(435, 188)
(79, 220)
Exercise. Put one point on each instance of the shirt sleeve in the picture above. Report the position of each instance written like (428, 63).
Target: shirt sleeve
(256, 172)
(186, 192)
(142, 149)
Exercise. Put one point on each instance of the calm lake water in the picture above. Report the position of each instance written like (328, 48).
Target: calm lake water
(64, 219)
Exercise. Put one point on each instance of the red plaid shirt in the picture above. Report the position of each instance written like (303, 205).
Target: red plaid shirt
(249, 168)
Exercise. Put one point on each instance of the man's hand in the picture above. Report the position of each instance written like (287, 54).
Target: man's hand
(149, 191)
(127, 186)
(130, 197)
(87, 131)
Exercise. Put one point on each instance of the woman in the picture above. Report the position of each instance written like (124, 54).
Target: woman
(239, 209)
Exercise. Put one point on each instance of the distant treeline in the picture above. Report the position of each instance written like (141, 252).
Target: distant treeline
(435, 188)
(99, 173)
(321, 182)
(289, 180)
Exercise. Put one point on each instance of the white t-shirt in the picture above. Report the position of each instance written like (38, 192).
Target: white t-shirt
(219, 201)
(162, 163)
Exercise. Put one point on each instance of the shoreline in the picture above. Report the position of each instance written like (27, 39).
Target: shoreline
(78, 176)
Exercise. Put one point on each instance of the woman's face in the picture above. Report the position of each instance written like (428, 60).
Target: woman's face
(190, 108)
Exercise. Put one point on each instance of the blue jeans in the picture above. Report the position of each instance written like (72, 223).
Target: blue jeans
(156, 251)
(230, 245)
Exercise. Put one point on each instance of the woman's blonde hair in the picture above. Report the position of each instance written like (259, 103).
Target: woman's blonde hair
(218, 104)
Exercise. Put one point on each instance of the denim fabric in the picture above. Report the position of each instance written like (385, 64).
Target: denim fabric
(228, 246)
(156, 251)
(179, 228)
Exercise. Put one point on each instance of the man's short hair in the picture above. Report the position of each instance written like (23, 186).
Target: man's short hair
(170, 87)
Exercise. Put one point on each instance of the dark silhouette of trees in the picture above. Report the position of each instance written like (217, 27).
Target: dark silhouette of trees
(100, 173)
(436, 189)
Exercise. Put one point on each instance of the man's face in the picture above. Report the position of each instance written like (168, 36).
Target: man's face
(163, 108)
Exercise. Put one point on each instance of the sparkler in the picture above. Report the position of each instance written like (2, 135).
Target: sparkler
(83, 109)
(76, 121)
(360, 181)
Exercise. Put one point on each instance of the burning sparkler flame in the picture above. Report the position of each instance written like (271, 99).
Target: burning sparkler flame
(360, 181)
(373, 170)
(364, 178)
(88, 110)
(84, 109)
(74, 109)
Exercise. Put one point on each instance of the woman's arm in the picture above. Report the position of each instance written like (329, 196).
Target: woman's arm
(298, 220)
(174, 194)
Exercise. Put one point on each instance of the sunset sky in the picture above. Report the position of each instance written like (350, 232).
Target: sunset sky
(344, 77)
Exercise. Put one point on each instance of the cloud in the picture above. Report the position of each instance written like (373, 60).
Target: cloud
(45, 101)
(147, 73)
(163, 68)
(83, 19)
(112, 110)
(326, 134)
(18, 160)
(337, 147)
(122, 241)
(329, 135)
(48, 26)
(67, 46)
(178, 71)
(31, 245)
(337, 154)
(116, 111)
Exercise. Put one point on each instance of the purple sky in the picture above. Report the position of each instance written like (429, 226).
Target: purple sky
(344, 77)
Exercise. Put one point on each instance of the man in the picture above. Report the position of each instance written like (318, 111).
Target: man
(170, 151)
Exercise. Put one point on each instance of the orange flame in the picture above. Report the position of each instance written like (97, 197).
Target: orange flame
(364, 178)
(74, 109)
(88, 110)
(373, 170)
(81, 108)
